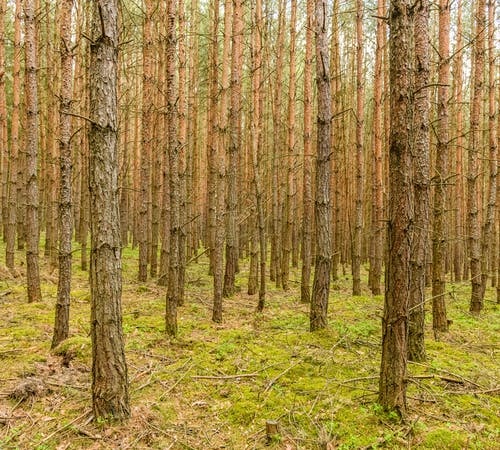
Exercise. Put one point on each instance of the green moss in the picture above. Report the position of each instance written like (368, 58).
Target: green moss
(445, 439)
(75, 346)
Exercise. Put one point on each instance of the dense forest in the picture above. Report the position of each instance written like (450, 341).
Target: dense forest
(249, 224)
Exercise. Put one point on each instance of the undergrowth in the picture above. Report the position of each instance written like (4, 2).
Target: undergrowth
(216, 385)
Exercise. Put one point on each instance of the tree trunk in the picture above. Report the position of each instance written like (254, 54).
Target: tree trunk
(305, 294)
(212, 134)
(421, 184)
(233, 152)
(458, 247)
(290, 186)
(61, 325)
(109, 370)
(489, 220)
(377, 213)
(4, 138)
(439, 320)
(358, 222)
(14, 142)
(31, 92)
(392, 384)
(174, 184)
(473, 222)
(147, 139)
(321, 284)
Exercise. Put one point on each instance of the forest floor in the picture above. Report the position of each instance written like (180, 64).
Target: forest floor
(216, 385)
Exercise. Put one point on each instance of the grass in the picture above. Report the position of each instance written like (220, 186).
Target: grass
(320, 387)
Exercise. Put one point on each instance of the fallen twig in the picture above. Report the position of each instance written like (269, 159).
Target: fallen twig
(64, 427)
(225, 377)
(277, 377)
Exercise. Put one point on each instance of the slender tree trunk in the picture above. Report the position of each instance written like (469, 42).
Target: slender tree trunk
(336, 136)
(109, 370)
(4, 138)
(257, 146)
(218, 250)
(473, 222)
(305, 295)
(421, 184)
(489, 220)
(439, 320)
(147, 139)
(212, 133)
(61, 325)
(290, 186)
(31, 92)
(233, 152)
(14, 142)
(458, 248)
(358, 223)
(392, 384)
(174, 183)
(276, 240)
(322, 267)
(377, 213)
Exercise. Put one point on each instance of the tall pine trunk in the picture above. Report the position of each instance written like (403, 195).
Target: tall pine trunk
(31, 93)
(61, 326)
(322, 267)
(109, 369)
(392, 383)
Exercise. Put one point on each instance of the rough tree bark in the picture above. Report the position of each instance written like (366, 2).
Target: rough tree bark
(489, 220)
(233, 151)
(31, 93)
(473, 222)
(377, 213)
(305, 294)
(421, 184)
(439, 320)
(14, 142)
(146, 139)
(392, 384)
(109, 370)
(358, 215)
(61, 325)
(173, 160)
(321, 284)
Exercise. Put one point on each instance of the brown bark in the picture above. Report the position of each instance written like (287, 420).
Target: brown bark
(392, 384)
(109, 370)
(439, 320)
(212, 132)
(233, 152)
(358, 221)
(276, 238)
(4, 138)
(290, 185)
(473, 221)
(458, 247)
(421, 184)
(377, 213)
(146, 139)
(61, 325)
(305, 295)
(321, 284)
(336, 140)
(31, 93)
(218, 250)
(173, 160)
(257, 147)
(14, 142)
(489, 220)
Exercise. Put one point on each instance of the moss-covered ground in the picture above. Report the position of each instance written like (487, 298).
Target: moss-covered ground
(186, 393)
